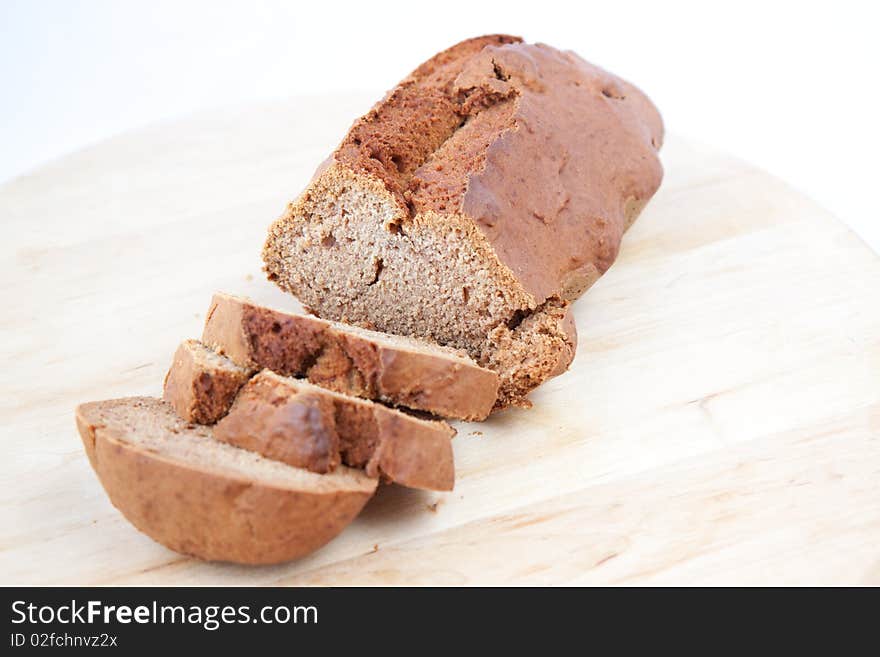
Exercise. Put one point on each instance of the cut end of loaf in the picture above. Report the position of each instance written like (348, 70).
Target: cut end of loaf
(347, 251)
(350, 253)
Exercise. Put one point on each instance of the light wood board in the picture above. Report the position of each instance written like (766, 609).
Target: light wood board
(720, 424)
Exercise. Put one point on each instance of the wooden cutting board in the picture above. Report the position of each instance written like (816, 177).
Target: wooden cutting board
(720, 424)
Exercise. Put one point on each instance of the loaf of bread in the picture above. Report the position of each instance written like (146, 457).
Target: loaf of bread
(450, 229)
(202, 497)
(486, 191)
(304, 425)
(392, 369)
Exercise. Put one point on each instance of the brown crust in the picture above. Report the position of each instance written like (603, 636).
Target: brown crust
(352, 362)
(297, 429)
(303, 425)
(401, 132)
(412, 454)
(198, 392)
(206, 514)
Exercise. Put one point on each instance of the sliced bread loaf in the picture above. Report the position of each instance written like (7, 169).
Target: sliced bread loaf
(201, 384)
(304, 425)
(488, 189)
(393, 369)
(205, 498)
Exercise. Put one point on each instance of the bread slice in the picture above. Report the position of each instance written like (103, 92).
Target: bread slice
(393, 369)
(304, 425)
(207, 499)
(201, 384)
(469, 206)
(284, 423)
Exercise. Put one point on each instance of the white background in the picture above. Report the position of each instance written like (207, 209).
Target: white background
(791, 87)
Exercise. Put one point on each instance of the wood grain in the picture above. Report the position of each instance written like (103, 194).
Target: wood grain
(720, 424)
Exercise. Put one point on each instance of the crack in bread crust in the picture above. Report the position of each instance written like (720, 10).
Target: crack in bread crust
(404, 130)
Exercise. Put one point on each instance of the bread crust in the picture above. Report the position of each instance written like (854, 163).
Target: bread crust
(275, 420)
(351, 361)
(211, 515)
(412, 454)
(199, 391)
